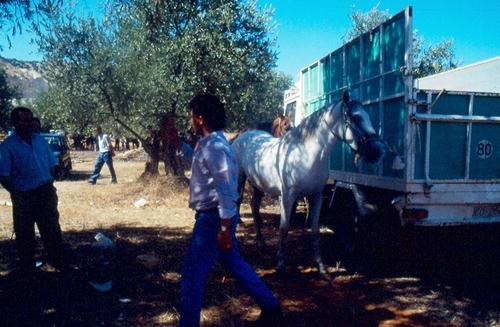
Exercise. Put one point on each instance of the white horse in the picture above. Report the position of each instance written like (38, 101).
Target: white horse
(295, 165)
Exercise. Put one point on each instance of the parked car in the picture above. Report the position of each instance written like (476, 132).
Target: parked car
(60, 148)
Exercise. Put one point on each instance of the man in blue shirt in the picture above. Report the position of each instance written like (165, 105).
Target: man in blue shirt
(26, 167)
(214, 195)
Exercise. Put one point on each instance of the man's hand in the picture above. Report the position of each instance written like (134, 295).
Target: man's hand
(224, 235)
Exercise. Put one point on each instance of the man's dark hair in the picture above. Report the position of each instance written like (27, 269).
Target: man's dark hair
(14, 115)
(211, 109)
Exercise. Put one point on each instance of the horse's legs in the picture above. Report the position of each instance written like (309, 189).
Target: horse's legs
(242, 179)
(255, 206)
(315, 201)
(286, 204)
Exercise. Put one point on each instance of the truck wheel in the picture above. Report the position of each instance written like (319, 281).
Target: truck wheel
(342, 218)
(367, 241)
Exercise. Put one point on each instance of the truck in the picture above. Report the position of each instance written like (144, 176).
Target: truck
(442, 161)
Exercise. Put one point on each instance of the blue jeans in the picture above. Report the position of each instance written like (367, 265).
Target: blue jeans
(103, 157)
(202, 253)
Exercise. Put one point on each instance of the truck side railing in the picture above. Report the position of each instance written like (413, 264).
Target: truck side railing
(417, 117)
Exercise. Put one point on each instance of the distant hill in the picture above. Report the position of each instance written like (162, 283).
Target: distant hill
(28, 76)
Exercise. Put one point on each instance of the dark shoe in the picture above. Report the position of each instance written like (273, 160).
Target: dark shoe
(113, 181)
(61, 265)
(271, 318)
(25, 272)
(91, 182)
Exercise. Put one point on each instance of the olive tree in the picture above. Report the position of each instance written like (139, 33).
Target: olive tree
(432, 59)
(13, 13)
(7, 94)
(427, 60)
(364, 22)
(147, 59)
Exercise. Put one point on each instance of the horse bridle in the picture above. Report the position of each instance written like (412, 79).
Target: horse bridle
(362, 135)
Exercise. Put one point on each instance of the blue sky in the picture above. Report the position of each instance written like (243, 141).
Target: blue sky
(309, 30)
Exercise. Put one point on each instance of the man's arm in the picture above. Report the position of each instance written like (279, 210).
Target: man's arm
(6, 183)
(15, 194)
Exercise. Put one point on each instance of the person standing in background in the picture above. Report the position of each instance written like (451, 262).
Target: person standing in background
(213, 195)
(105, 156)
(26, 172)
(117, 136)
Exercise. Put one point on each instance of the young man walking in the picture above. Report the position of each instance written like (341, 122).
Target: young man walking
(213, 195)
(105, 156)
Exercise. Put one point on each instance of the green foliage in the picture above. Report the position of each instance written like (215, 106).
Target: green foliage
(364, 22)
(7, 94)
(433, 59)
(12, 14)
(145, 59)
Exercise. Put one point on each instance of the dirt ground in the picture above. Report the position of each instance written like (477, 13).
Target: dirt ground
(446, 277)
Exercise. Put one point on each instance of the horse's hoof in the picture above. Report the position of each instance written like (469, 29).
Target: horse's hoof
(260, 240)
(281, 271)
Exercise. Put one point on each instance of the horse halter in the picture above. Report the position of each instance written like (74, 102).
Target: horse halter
(362, 135)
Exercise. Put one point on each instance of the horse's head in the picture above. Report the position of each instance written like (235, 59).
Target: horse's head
(281, 125)
(359, 132)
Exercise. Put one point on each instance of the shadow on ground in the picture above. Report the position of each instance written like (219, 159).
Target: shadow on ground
(447, 282)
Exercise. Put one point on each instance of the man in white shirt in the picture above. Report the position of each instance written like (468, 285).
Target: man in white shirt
(105, 156)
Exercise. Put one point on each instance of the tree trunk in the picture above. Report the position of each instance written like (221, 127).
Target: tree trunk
(152, 148)
(151, 166)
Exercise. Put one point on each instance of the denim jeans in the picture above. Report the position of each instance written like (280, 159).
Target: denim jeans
(103, 157)
(202, 253)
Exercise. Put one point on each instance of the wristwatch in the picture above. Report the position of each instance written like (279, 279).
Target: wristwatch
(224, 224)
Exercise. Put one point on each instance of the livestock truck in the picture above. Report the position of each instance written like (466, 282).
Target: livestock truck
(442, 161)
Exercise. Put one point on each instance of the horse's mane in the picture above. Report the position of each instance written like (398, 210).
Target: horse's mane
(310, 124)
